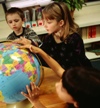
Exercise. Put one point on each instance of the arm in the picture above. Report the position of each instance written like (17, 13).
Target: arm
(33, 96)
(31, 35)
(79, 50)
(23, 40)
(49, 60)
(11, 36)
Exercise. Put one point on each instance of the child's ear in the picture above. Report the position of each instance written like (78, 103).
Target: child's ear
(61, 23)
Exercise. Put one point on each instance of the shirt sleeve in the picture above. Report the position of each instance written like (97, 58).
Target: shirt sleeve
(30, 34)
(77, 44)
(79, 50)
(11, 36)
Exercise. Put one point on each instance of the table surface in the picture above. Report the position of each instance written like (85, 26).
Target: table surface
(48, 93)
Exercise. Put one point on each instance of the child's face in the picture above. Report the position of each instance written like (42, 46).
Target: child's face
(52, 26)
(15, 22)
(63, 94)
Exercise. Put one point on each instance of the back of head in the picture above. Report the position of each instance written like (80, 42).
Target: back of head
(15, 10)
(83, 85)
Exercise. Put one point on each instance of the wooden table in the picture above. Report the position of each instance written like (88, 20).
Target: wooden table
(48, 93)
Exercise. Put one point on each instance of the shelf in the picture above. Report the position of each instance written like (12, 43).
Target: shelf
(27, 3)
(40, 30)
(91, 55)
(86, 41)
(88, 15)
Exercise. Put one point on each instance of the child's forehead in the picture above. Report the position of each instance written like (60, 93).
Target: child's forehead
(48, 16)
(13, 15)
(10, 14)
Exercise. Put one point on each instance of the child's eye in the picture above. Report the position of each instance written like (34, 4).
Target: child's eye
(16, 20)
(49, 22)
(9, 22)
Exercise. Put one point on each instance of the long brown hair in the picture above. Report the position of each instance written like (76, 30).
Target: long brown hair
(59, 11)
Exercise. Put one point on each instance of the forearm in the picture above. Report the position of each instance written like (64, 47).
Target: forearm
(51, 62)
(34, 38)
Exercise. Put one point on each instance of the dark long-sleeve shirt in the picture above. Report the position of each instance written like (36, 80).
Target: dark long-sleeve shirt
(27, 33)
(68, 53)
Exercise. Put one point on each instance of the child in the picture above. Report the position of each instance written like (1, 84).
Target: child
(63, 42)
(15, 19)
(79, 87)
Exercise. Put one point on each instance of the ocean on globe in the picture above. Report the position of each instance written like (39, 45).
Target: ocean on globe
(18, 67)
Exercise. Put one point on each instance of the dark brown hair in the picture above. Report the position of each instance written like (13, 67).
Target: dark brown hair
(14, 10)
(83, 85)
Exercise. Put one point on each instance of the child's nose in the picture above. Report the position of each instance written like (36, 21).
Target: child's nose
(44, 23)
(14, 23)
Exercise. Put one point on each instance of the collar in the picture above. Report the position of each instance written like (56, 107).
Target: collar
(22, 34)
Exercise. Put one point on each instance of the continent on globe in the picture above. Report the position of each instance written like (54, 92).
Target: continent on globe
(18, 67)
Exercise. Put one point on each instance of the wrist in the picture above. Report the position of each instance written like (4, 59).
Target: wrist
(30, 41)
(34, 49)
(33, 42)
(35, 103)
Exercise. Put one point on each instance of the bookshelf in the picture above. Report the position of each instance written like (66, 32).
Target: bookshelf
(87, 41)
(92, 55)
(89, 16)
(40, 30)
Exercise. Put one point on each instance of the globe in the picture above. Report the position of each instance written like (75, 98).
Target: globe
(18, 67)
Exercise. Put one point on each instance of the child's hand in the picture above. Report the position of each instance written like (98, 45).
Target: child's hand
(22, 41)
(33, 93)
(32, 48)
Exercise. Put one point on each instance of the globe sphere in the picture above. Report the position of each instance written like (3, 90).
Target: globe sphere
(18, 67)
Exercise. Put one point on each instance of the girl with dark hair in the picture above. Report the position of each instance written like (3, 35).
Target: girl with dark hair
(79, 87)
(83, 85)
